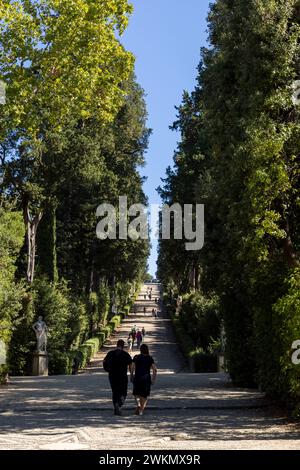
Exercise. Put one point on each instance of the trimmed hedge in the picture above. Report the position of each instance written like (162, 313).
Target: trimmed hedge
(94, 343)
(200, 317)
(80, 358)
(62, 360)
(127, 308)
(59, 363)
(186, 344)
(203, 362)
(115, 322)
(199, 360)
(67, 363)
(3, 374)
(102, 337)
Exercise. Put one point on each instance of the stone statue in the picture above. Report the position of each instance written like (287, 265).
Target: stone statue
(40, 329)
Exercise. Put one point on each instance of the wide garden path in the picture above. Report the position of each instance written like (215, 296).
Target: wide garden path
(186, 411)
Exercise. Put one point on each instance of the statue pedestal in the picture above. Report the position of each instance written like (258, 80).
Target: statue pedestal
(40, 363)
(221, 362)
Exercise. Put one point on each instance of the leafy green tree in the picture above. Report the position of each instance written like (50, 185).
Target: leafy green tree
(101, 166)
(245, 143)
(61, 61)
(11, 293)
(60, 58)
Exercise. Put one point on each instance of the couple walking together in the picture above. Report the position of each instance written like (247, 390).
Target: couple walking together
(117, 363)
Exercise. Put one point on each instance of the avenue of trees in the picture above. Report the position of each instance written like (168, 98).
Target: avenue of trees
(72, 136)
(240, 157)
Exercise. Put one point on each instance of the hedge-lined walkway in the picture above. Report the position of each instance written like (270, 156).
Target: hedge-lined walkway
(186, 411)
(159, 335)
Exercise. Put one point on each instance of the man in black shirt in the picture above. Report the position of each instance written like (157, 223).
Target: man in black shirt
(116, 363)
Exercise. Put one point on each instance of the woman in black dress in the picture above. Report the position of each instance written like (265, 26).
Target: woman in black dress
(141, 377)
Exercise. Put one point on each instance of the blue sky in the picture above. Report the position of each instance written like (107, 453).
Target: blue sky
(166, 37)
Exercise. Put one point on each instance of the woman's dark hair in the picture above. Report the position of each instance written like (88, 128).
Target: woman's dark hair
(144, 349)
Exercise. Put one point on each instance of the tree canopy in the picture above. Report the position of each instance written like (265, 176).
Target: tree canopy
(72, 135)
(239, 156)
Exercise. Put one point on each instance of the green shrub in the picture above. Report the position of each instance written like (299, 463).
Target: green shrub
(60, 363)
(114, 322)
(89, 348)
(23, 340)
(75, 358)
(240, 347)
(94, 343)
(3, 374)
(286, 327)
(107, 330)
(80, 358)
(70, 362)
(102, 337)
(68, 325)
(86, 351)
(66, 320)
(78, 322)
(11, 293)
(127, 309)
(200, 317)
(203, 361)
(199, 359)
(93, 312)
(104, 303)
(122, 293)
(85, 355)
(185, 342)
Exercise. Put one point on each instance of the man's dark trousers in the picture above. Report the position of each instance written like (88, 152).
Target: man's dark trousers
(119, 386)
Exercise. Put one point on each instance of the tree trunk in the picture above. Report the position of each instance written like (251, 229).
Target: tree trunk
(193, 278)
(90, 280)
(288, 248)
(31, 224)
(197, 277)
(46, 244)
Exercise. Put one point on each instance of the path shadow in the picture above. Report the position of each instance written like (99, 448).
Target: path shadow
(204, 425)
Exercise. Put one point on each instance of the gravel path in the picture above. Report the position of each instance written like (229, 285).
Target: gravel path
(186, 411)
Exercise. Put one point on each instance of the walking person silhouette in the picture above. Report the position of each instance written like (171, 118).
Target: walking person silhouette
(117, 363)
(141, 377)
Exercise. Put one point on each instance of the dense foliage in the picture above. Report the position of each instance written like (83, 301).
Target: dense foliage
(239, 156)
(11, 292)
(72, 136)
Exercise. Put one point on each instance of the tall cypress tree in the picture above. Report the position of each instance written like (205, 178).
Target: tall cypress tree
(249, 181)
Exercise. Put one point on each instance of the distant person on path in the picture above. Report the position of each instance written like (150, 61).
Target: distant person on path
(143, 332)
(153, 312)
(129, 342)
(141, 378)
(145, 310)
(116, 363)
(133, 336)
(139, 338)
